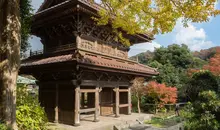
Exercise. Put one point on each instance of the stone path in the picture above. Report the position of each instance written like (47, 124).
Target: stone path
(105, 123)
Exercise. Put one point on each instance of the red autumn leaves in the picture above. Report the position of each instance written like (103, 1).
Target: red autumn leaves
(160, 93)
(214, 63)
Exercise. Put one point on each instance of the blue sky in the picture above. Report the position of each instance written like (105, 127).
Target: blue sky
(197, 35)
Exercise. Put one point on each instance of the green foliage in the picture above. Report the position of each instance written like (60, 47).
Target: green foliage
(197, 63)
(26, 12)
(201, 81)
(161, 122)
(30, 115)
(3, 127)
(169, 75)
(176, 55)
(134, 103)
(172, 63)
(143, 58)
(203, 114)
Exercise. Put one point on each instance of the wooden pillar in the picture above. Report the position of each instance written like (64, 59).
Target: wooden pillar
(77, 106)
(117, 102)
(129, 101)
(56, 118)
(96, 115)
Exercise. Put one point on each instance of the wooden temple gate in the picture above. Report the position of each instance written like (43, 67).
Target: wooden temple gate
(82, 68)
(64, 100)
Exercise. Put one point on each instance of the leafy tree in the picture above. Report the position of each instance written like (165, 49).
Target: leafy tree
(204, 113)
(154, 16)
(159, 94)
(170, 75)
(136, 90)
(172, 63)
(201, 81)
(143, 58)
(177, 55)
(197, 63)
(26, 12)
(214, 63)
(206, 54)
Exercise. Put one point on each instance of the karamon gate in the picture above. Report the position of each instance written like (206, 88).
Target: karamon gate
(82, 69)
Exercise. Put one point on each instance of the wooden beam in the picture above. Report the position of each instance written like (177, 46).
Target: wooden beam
(77, 106)
(117, 103)
(107, 104)
(103, 83)
(88, 90)
(56, 118)
(129, 101)
(123, 90)
(123, 105)
(89, 83)
(87, 110)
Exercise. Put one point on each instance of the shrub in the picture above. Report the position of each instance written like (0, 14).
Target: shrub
(30, 115)
(3, 127)
(203, 114)
(201, 81)
(160, 93)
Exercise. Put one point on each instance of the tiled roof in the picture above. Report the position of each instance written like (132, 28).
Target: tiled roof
(98, 61)
(48, 60)
(117, 64)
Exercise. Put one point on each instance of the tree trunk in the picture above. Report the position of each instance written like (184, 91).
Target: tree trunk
(9, 59)
(138, 103)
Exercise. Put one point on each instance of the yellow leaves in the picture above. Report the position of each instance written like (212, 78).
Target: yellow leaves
(154, 16)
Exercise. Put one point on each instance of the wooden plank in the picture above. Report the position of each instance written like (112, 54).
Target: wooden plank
(123, 105)
(107, 104)
(87, 110)
(88, 90)
(123, 90)
(103, 83)
(89, 83)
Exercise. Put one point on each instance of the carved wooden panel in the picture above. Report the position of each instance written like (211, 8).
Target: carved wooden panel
(102, 48)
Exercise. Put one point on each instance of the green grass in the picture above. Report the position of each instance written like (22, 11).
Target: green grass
(164, 122)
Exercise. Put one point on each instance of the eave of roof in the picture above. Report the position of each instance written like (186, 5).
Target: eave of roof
(95, 61)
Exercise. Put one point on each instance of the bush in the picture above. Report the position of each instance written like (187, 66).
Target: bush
(203, 114)
(201, 81)
(30, 115)
(3, 127)
(159, 94)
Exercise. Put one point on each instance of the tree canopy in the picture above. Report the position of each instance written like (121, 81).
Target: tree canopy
(26, 12)
(214, 63)
(176, 55)
(154, 16)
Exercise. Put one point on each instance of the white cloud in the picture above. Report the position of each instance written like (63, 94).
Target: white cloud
(143, 47)
(194, 38)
